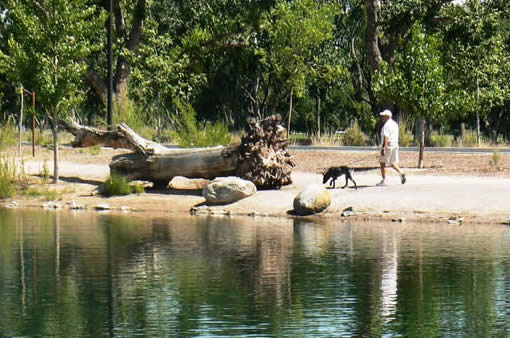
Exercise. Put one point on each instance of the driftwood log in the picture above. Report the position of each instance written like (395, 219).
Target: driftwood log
(261, 157)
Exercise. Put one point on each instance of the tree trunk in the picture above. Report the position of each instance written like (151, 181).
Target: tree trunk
(318, 116)
(478, 138)
(372, 8)
(290, 110)
(261, 157)
(54, 129)
(422, 143)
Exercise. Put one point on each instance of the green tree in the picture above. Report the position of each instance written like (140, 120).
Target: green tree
(415, 82)
(476, 60)
(295, 30)
(49, 41)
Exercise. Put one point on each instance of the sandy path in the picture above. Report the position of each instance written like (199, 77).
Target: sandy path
(483, 198)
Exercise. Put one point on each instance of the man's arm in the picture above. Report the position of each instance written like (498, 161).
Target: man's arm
(384, 144)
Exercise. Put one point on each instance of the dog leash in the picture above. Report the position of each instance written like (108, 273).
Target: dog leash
(361, 160)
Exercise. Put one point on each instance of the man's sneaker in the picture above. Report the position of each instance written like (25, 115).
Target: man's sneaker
(403, 178)
(382, 183)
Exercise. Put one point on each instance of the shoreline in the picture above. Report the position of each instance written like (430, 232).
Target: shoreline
(366, 202)
(465, 194)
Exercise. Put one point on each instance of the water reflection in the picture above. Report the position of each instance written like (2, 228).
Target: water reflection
(84, 274)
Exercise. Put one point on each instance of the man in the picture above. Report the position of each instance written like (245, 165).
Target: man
(389, 151)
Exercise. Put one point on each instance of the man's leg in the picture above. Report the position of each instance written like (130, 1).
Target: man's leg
(403, 178)
(397, 168)
(383, 174)
(383, 170)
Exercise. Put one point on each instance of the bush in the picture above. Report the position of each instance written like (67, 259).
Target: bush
(45, 172)
(354, 136)
(495, 160)
(469, 140)
(405, 137)
(192, 134)
(95, 150)
(116, 185)
(437, 140)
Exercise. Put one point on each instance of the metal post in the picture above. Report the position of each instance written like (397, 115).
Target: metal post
(110, 72)
(33, 124)
(20, 124)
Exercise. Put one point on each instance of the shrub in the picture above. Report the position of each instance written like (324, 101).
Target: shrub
(495, 160)
(437, 140)
(192, 134)
(116, 185)
(405, 137)
(95, 150)
(45, 172)
(354, 136)
(469, 140)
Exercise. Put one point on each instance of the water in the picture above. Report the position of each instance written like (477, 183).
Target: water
(84, 274)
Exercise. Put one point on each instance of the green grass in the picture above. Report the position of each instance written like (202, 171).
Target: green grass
(495, 160)
(9, 176)
(46, 193)
(45, 172)
(95, 150)
(440, 140)
(354, 136)
(116, 185)
(8, 136)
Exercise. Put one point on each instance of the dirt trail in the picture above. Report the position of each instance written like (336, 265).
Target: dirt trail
(423, 197)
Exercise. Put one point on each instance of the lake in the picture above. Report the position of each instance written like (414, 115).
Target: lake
(91, 274)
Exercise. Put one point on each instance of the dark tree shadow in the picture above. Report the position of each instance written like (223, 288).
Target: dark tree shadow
(80, 180)
(174, 192)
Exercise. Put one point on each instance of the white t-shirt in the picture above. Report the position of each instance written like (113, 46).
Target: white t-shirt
(390, 130)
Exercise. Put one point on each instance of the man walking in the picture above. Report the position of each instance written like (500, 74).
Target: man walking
(389, 147)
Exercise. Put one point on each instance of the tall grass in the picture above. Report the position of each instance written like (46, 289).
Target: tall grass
(8, 135)
(405, 137)
(440, 140)
(9, 176)
(190, 133)
(116, 185)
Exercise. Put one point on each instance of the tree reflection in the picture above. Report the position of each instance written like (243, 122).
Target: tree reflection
(88, 274)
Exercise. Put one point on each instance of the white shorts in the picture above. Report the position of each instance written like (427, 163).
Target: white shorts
(390, 156)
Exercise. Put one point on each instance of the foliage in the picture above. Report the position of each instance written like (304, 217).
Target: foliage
(8, 135)
(190, 133)
(230, 59)
(415, 82)
(45, 172)
(354, 136)
(405, 137)
(9, 177)
(116, 185)
(495, 160)
(439, 140)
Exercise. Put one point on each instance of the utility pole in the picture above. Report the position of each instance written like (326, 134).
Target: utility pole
(20, 122)
(110, 72)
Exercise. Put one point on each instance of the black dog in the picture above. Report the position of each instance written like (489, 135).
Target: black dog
(336, 172)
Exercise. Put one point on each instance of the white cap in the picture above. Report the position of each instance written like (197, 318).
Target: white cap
(385, 113)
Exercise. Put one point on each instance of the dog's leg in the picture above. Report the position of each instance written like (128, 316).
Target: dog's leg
(352, 179)
(333, 181)
(346, 180)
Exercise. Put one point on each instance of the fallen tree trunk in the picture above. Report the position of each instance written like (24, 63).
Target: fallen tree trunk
(261, 157)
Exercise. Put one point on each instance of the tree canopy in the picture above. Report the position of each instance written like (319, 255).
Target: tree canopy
(334, 62)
